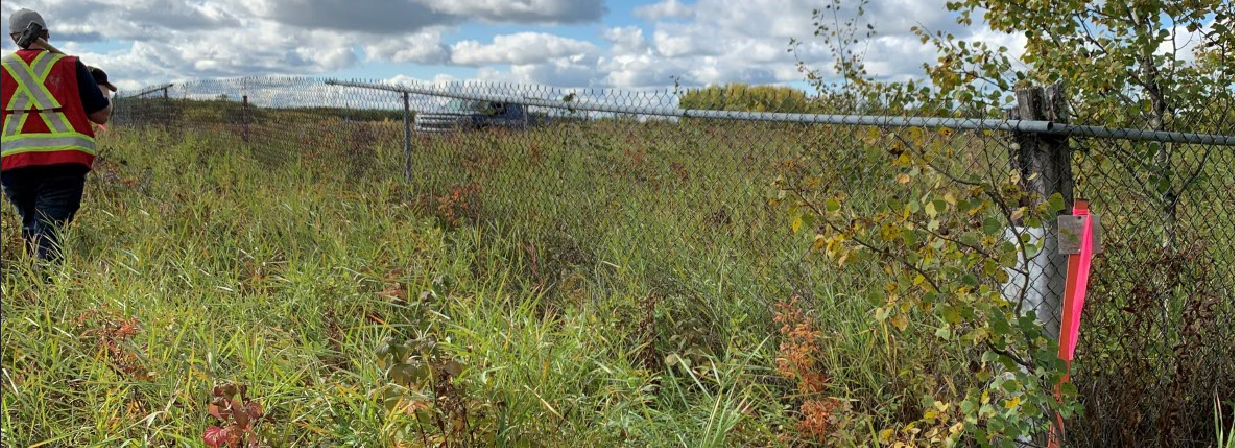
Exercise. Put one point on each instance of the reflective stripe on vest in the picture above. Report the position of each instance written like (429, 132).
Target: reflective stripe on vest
(32, 91)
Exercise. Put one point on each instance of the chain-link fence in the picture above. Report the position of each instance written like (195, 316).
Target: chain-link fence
(690, 195)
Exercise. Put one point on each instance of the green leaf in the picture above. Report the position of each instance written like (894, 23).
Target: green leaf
(992, 227)
(1068, 389)
(803, 221)
(832, 205)
(1000, 326)
(873, 154)
(950, 314)
(943, 333)
(941, 205)
(963, 206)
(875, 298)
(1055, 204)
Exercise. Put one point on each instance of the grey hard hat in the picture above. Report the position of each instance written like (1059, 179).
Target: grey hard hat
(22, 19)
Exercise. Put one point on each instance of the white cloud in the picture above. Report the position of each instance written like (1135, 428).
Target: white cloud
(668, 9)
(698, 43)
(396, 16)
(194, 39)
(522, 48)
(438, 80)
(626, 40)
(686, 40)
(424, 47)
(563, 72)
(1182, 44)
(524, 11)
(371, 16)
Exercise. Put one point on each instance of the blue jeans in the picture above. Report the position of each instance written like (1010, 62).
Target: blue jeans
(46, 198)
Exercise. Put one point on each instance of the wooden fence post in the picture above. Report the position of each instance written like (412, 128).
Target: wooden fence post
(1045, 165)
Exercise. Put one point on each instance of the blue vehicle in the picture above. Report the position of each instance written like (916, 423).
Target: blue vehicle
(460, 115)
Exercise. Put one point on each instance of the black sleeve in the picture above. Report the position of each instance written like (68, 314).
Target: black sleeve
(91, 98)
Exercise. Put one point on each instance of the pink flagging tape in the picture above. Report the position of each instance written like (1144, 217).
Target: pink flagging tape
(1076, 301)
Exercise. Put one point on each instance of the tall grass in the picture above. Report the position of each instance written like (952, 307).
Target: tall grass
(602, 285)
(288, 279)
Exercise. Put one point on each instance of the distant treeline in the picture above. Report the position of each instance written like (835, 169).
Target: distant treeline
(231, 110)
(745, 98)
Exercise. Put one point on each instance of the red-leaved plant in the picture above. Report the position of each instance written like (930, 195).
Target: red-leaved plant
(238, 418)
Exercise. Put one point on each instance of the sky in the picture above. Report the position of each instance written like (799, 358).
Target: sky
(629, 44)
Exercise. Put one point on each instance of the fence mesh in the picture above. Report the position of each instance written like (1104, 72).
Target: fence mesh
(616, 190)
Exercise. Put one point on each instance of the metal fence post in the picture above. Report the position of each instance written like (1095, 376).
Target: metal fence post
(244, 118)
(1045, 164)
(407, 143)
(167, 112)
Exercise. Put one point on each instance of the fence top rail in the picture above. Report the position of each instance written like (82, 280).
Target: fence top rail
(147, 91)
(1026, 126)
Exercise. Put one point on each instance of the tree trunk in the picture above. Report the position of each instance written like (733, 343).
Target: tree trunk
(1162, 155)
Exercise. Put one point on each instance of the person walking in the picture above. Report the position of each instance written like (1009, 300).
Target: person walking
(49, 101)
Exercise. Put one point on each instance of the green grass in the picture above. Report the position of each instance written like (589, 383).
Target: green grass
(585, 256)
(274, 278)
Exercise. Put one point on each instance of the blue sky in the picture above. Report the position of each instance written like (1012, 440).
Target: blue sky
(640, 44)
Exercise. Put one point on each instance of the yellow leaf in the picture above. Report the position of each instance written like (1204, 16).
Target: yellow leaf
(1019, 213)
(1014, 177)
(872, 135)
(1013, 403)
(797, 224)
(820, 241)
(950, 199)
(900, 322)
(885, 435)
(902, 178)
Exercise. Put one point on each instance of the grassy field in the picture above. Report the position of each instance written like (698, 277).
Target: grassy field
(194, 263)
(613, 284)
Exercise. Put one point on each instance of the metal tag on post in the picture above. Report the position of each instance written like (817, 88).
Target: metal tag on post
(1069, 234)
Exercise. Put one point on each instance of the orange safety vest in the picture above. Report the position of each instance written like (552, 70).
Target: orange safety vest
(44, 120)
